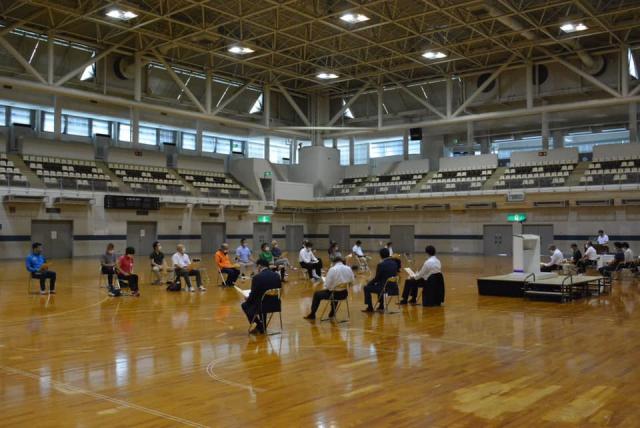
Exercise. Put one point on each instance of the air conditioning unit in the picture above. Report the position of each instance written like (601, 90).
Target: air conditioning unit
(515, 197)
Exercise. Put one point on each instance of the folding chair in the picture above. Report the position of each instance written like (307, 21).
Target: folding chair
(29, 282)
(304, 273)
(387, 294)
(223, 277)
(269, 304)
(363, 263)
(334, 302)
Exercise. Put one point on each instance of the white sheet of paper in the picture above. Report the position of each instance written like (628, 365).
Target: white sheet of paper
(409, 272)
(245, 293)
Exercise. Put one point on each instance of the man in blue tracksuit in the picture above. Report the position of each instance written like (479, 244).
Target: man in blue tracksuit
(37, 265)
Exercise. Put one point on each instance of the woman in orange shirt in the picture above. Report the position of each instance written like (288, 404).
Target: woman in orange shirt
(225, 265)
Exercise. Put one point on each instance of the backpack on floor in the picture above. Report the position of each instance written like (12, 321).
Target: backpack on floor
(174, 286)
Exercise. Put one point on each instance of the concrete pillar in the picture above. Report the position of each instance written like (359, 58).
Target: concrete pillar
(293, 150)
(545, 131)
(470, 136)
(266, 105)
(529, 84)
(432, 148)
(50, 58)
(198, 137)
(135, 125)
(319, 117)
(267, 147)
(208, 92)
(558, 139)
(624, 70)
(405, 144)
(57, 118)
(334, 143)
(633, 123)
(137, 79)
(352, 150)
(449, 96)
(485, 145)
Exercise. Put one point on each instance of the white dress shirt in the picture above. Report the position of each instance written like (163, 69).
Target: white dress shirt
(181, 260)
(390, 251)
(602, 240)
(431, 265)
(338, 274)
(357, 251)
(307, 256)
(556, 258)
(628, 255)
(591, 254)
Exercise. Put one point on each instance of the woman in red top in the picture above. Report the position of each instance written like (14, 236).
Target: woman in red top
(125, 270)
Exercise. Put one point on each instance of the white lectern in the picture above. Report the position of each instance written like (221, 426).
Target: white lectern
(526, 256)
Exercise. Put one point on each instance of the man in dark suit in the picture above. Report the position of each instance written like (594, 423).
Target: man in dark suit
(386, 269)
(265, 280)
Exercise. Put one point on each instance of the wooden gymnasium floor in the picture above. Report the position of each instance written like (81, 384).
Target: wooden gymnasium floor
(81, 358)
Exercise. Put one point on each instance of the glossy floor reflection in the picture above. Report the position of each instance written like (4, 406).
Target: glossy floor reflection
(80, 358)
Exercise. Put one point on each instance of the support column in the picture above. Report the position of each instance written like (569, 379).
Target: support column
(558, 139)
(433, 149)
(405, 144)
(57, 118)
(137, 76)
(293, 149)
(485, 145)
(266, 105)
(352, 150)
(449, 94)
(334, 143)
(50, 58)
(633, 123)
(529, 84)
(267, 147)
(199, 137)
(135, 126)
(545, 131)
(470, 136)
(380, 108)
(624, 70)
(208, 91)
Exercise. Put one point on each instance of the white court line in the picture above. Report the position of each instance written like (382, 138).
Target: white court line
(75, 389)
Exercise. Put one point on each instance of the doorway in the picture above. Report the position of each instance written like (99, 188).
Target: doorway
(141, 235)
(212, 235)
(56, 237)
(403, 238)
(342, 235)
(262, 232)
(294, 235)
(498, 240)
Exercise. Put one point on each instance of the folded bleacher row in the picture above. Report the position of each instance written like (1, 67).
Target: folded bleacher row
(63, 173)
(540, 174)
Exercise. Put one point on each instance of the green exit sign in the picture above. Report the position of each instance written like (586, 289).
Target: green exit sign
(516, 218)
(264, 219)
(268, 173)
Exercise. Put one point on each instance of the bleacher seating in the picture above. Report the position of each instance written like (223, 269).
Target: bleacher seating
(612, 171)
(69, 173)
(449, 180)
(398, 182)
(149, 179)
(346, 186)
(9, 174)
(536, 174)
(214, 184)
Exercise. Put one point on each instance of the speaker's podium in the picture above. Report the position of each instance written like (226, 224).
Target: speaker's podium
(526, 257)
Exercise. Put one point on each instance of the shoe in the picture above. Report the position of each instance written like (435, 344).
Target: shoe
(310, 317)
(191, 289)
(111, 294)
(332, 315)
(202, 289)
(52, 292)
(369, 309)
(381, 309)
(136, 294)
(42, 292)
(413, 302)
(256, 331)
(243, 277)
(402, 302)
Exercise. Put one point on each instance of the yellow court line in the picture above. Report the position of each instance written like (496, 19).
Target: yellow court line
(78, 390)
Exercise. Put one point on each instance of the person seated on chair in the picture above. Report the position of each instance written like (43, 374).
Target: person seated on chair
(158, 266)
(224, 264)
(125, 271)
(338, 274)
(108, 266)
(576, 255)
(264, 280)
(389, 248)
(185, 269)
(555, 262)
(244, 259)
(334, 252)
(310, 262)
(618, 260)
(265, 254)
(589, 258)
(431, 266)
(39, 268)
(602, 238)
(629, 258)
(278, 258)
(386, 269)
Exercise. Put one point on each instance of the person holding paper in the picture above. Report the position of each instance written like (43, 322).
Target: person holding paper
(338, 274)
(37, 265)
(310, 262)
(185, 269)
(431, 266)
(265, 280)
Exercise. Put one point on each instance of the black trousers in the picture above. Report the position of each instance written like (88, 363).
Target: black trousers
(606, 270)
(325, 294)
(232, 275)
(109, 271)
(131, 280)
(582, 264)
(280, 269)
(185, 274)
(411, 288)
(375, 287)
(550, 268)
(311, 267)
(43, 276)
(250, 311)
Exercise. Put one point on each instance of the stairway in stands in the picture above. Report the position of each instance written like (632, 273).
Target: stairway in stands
(34, 180)
(499, 172)
(192, 190)
(112, 175)
(578, 172)
(425, 178)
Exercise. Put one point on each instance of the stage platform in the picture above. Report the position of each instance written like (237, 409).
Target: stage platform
(549, 285)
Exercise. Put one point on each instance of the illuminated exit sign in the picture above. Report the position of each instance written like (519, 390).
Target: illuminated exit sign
(516, 218)
(264, 219)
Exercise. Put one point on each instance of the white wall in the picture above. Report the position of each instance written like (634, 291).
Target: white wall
(293, 191)
(62, 149)
(146, 157)
(607, 151)
(200, 163)
(469, 162)
(411, 165)
(555, 155)
(319, 166)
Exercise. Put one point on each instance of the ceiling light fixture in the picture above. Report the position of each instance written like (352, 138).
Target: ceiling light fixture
(434, 55)
(240, 50)
(354, 18)
(325, 75)
(571, 27)
(123, 15)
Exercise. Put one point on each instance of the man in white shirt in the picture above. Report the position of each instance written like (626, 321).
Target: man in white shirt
(590, 258)
(602, 238)
(310, 262)
(430, 267)
(628, 253)
(184, 269)
(338, 274)
(556, 260)
(388, 247)
(357, 249)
